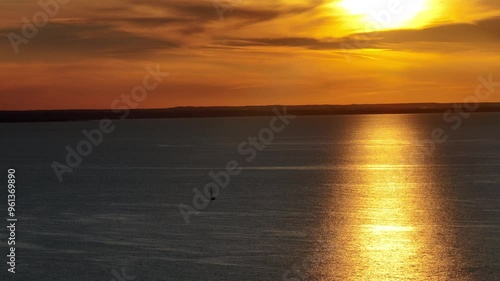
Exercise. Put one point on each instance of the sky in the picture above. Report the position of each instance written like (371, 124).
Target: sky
(86, 54)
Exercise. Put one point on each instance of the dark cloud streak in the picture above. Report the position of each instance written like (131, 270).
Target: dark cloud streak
(74, 41)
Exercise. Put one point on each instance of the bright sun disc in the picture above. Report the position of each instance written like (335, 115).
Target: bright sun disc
(386, 14)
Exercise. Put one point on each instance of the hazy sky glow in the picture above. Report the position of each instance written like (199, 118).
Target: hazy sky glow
(262, 52)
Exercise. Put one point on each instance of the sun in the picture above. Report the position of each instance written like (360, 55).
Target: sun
(386, 14)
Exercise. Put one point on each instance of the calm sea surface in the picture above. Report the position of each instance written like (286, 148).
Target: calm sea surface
(330, 198)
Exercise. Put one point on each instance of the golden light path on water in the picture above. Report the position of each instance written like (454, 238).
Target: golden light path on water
(387, 218)
(390, 229)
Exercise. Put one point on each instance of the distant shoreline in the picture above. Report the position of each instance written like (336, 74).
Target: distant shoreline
(232, 111)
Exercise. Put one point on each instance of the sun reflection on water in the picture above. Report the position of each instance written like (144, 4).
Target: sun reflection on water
(388, 230)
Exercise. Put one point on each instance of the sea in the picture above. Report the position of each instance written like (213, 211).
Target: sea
(353, 197)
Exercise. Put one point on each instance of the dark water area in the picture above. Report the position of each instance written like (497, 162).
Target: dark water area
(329, 198)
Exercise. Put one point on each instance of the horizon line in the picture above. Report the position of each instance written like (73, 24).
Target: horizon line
(242, 106)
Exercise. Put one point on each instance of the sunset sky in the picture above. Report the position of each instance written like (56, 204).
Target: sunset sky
(259, 52)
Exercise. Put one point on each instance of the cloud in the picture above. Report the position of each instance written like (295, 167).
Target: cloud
(486, 30)
(237, 10)
(77, 40)
(482, 33)
(141, 28)
(145, 21)
(304, 42)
